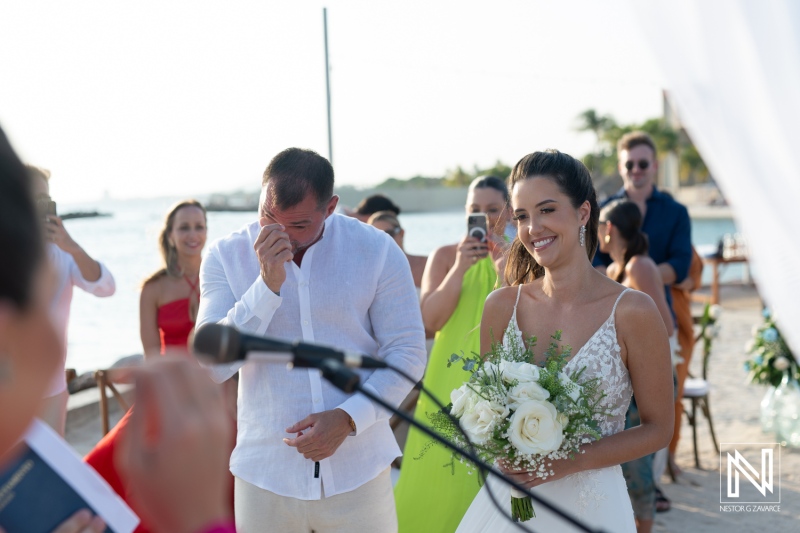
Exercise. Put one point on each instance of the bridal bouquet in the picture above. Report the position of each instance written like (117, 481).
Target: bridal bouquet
(520, 414)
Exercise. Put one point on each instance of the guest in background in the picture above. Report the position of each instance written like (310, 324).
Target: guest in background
(171, 296)
(176, 467)
(621, 237)
(167, 310)
(665, 221)
(457, 279)
(372, 204)
(73, 267)
(387, 221)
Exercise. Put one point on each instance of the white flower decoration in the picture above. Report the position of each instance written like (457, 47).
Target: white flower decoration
(479, 422)
(525, 391)
(536, 428)
(781, 363)
(464, 398)
(517, 371)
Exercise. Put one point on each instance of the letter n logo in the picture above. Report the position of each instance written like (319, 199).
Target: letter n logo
(738, 464)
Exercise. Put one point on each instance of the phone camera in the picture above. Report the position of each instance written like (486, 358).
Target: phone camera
(478, 233)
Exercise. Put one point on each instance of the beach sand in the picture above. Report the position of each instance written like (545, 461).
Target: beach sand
(735, 411)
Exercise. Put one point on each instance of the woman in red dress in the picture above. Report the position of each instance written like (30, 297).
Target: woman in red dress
(168, 305)
(167, 312)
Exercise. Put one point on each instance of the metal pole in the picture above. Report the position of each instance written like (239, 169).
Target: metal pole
(328, 84)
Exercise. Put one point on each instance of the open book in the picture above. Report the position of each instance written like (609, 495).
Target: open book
(49, 482)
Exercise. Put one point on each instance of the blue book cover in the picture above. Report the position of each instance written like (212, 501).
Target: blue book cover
(48, 483)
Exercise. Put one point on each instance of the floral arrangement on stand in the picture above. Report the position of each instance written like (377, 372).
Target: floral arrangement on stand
(709, 329)
(520, 414)
(770, 362)
(769, 357)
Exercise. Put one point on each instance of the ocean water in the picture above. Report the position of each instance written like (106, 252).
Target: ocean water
(102, 330)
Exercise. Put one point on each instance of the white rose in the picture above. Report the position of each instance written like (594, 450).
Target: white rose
(781, 363)
(573, 389)
(749, 346)
(522, 372)
(715, 311)
(523, 392)
(464, 399)
(536, 428)
(479, 422)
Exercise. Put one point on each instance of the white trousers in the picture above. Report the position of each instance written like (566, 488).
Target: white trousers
(369, 508)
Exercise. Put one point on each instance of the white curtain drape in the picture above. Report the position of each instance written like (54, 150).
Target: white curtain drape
(732, 69)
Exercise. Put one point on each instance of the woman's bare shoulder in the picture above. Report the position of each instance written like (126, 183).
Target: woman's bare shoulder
(641, 265)
(498, 299)
(154, 284)
(636, 309)
(447, 251)
(497, 312)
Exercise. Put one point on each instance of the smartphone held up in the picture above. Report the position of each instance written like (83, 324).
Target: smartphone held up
(476, 226)
(47, 207)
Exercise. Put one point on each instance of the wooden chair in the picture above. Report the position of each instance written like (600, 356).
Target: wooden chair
(104, 381)
(696, 389)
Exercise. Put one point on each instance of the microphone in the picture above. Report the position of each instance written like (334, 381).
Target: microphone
(225, 344)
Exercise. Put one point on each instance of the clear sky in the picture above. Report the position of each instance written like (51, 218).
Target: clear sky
(153, 98)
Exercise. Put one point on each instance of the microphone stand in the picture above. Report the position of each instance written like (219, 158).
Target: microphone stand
(348, 381)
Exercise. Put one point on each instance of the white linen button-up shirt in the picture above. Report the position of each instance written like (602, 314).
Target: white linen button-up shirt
(353, 291)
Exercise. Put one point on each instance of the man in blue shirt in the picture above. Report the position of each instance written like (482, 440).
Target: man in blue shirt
(668, 229)
(666, 222)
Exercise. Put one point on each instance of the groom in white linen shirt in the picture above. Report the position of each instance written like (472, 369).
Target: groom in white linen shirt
(309, 457)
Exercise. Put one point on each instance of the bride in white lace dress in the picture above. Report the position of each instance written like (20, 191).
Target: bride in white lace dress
(620, 333)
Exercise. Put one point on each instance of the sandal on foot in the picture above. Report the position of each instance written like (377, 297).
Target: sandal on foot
(662, 503)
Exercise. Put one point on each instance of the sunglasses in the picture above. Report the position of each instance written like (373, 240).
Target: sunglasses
(643, 164)
(394, 231)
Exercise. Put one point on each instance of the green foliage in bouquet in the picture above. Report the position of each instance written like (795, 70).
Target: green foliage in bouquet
(524, 415)
(769, 356)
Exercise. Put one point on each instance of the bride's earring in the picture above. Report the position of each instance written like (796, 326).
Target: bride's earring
(607, 238)
(583, 236)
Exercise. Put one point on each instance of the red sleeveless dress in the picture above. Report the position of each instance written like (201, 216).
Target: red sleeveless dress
(174, 326)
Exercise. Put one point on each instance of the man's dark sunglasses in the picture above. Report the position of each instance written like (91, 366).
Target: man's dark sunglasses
(643, 164)
(394, 231)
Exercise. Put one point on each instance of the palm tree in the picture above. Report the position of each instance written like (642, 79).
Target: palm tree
(598, 124)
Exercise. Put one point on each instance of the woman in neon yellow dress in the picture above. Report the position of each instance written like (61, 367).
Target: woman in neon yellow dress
(433, 494)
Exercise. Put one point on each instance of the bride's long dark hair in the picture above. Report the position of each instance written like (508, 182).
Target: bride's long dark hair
(574, 180)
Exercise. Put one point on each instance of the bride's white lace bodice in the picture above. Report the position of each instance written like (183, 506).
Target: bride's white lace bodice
(601, 357)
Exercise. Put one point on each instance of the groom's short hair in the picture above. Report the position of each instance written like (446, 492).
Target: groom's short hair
(294, 173)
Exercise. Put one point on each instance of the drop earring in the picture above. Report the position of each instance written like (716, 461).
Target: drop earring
(607, 238)
(583, 236)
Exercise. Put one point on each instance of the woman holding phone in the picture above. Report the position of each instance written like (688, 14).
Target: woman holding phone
(456, 281)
